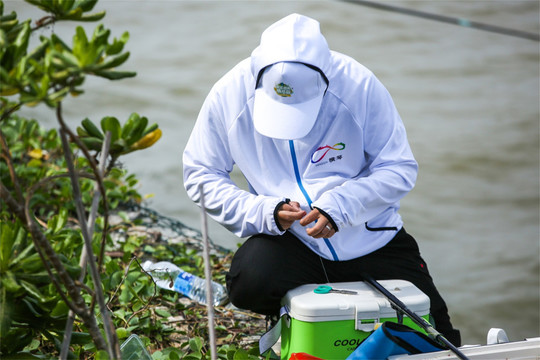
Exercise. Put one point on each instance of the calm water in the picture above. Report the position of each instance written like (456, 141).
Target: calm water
(469, 100)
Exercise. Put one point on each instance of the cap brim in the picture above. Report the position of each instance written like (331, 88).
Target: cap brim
(284, 121)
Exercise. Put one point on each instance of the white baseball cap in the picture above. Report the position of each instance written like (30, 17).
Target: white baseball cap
(287, 100)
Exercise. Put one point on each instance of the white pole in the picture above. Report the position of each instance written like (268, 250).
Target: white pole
(208, 275)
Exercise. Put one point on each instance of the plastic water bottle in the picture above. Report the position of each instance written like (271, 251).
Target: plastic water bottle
(170, 277)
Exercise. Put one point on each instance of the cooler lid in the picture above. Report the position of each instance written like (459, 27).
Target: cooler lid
(306, 305)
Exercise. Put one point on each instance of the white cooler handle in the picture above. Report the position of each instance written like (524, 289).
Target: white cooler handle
(366, 316)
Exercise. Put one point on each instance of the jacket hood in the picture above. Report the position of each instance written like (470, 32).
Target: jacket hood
(295, 38)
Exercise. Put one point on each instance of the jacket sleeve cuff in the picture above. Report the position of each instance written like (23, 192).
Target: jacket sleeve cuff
(276, 209)
(329, 218)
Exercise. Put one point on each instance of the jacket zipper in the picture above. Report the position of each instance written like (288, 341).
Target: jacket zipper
(301, 186)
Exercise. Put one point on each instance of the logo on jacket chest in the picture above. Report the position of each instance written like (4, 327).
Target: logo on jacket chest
(328, 153)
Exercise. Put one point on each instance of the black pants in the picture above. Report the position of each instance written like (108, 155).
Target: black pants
(265, 267)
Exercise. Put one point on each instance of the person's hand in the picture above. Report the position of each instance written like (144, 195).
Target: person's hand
(322, 228)
(288, 213)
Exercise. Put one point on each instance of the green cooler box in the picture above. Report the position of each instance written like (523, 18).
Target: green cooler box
(331, 325)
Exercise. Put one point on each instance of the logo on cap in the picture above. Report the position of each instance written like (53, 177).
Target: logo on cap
(283, 90)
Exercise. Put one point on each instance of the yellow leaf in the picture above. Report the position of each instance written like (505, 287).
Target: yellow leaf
(147, 140)
(38, 154)
(35, 154)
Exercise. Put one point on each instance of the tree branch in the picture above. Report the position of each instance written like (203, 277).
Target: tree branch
(99, 179)
(8, 113)
(9, 161)
(83, 259)
(112, 347)
(44, 248)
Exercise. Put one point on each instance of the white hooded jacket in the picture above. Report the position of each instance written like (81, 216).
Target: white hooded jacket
(355, 164)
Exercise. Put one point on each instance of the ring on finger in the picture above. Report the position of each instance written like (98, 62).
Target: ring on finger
(328, 227)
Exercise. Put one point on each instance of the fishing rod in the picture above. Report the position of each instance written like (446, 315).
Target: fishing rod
(449, 19)
(420, 321)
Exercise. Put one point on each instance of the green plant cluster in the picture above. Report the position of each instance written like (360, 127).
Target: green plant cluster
(134, 135)
(38, 154)
(46, 176)
(53, 69)
(32, 313)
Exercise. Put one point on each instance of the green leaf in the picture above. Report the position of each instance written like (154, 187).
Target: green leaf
(80, 338)
(86, 5)
(118, 44)
(58, 44)
(67, 58)
(9, 282)
(74, 14)
(195, 344)
(21, 42)
(57, 222)
(56, 97)
(125, 297)
(10, 16)
(110, 123)
(44, 85)
(37, 3)
(23, 254)
(118, 146)
(113, 62)
(30, 264)
(32, 346)
(92, 129)
(102, 355)
(115, 75)
(28, 301)
(136, 131)
(129, 126)
(81, 132)
(18, 338)
(7, 238)
(39, 50)
(122, 333)
(62, 220)
(163, 313)
(33, 290)
(173, 353)
(81, 48)
(93, 17)
(149, 129)
(60, 309)
(92, 143)
(241, 354)
(67, 5)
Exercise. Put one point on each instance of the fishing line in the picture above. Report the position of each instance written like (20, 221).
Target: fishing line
(324, 270)
(449, 20)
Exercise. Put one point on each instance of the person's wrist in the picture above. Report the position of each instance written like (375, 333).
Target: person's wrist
(329, 218)
(276, 210)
